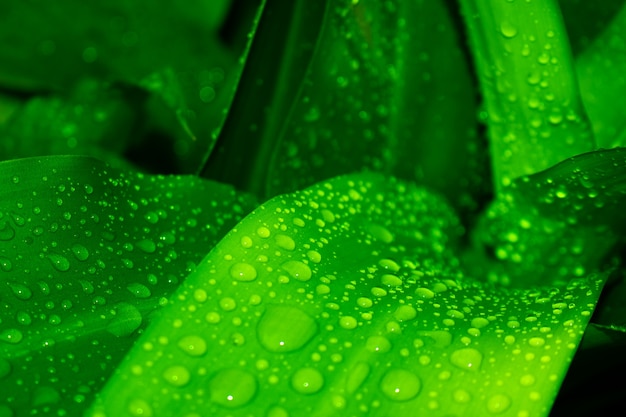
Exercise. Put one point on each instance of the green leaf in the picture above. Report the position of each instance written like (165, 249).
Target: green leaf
(87, 256)
(352, 85)
(561, 222)
(347, 299)
(170, 50)
(524, 63)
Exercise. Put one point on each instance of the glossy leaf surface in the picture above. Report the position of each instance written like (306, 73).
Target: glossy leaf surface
(347, 299)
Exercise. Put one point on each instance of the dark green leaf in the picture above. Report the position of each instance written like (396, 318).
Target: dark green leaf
(87, 256)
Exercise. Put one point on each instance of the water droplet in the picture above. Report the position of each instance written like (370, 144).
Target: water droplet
(285, 242)
(59, 262)
(297, 270)
(378, 344)
(479, 322)
(527, 380)
(424, 293)
(193, 345)
(80, 252)
(381, 233)
(5, 264)
(391, 280)
(21, 291)
(277, 411)
(314, 256)
(348, 322)
(228, 304)
(177, 376)
(400, 385)
(246, 242)
(232, 388)
(140, 408)
(127, 319)
(243, 272)
(12, 336)
(263, 232)
(6, 231)
(139, 290)
(536, 341)
(307, 380)
(508, 30)
(146, 245)
(461, 396)
(357, 376)
(468, 359)
(389, 264)
(498, 403)
(405, 313)
(285, 328)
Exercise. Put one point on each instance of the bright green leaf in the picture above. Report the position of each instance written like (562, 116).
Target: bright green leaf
(346, 299)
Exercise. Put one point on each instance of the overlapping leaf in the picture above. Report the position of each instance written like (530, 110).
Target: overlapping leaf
(87, 256)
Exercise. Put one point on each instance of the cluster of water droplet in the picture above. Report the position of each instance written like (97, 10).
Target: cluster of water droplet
(87, 255)
(321, 303)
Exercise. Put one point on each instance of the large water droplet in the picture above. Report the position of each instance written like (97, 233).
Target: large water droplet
(243, 272)
(307, 380)
(232, 387)
(21, 291)
(127, 319)
(378, 344)
(177, 375)
(193, 345)
(400, 385)
(139, 408)
(498, 403)
(297, 270)
(285, 328)
(80, 252)
(285, 242)
(59, 262)
(468, 359)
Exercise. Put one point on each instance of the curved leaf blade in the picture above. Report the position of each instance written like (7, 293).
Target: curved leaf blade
(347, 299)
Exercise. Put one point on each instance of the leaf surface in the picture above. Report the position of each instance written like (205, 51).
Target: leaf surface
(346, 299)
(87, 256)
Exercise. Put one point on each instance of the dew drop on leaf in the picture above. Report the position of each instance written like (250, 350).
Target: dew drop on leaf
(80, 252)
(498, 403)
(285, 328)
(127, 319)
(177, 376)
(232, 388)
(243, 272)
(307, 381)
(193, 345)
(297, 270)
(59, 262)
(378, 344)
(285, 242)
(139, 290)
(468, 359)
(21, 291)
(400, 385)
(139, 408)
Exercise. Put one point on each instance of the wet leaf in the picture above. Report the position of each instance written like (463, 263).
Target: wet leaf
(88, 254)
(357, 85)
(347, 299)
